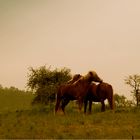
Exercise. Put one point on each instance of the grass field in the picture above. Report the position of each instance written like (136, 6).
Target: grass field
(19, 120)
(14, 101)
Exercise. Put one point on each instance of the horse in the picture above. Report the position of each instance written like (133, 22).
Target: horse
(75, 91)
(60, 88)
(99, 93)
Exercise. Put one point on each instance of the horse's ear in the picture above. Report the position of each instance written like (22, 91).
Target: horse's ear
(90, 72)
(79, 75)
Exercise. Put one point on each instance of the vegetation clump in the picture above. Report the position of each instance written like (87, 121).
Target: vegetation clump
(44, 82)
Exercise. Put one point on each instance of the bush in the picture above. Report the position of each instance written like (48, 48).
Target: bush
(121, 101)
(44, 82)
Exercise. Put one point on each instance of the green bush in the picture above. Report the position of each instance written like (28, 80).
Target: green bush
(44, 82)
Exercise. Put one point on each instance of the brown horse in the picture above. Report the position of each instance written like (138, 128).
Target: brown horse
(99, 93)
(61, 87)
(76, 90)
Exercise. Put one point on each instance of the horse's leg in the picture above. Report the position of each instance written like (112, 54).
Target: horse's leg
(57, 104)
(111, 98)
(103, 106)
(111, 104)
(85, 105)
(64, 103)
(80, 104)
(90, 106)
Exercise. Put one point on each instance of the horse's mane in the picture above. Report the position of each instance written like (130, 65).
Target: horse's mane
(74, 78)
(89, 74)
(86, 77)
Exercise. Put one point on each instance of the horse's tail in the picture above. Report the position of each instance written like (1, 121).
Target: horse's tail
(111, 97)
(58, 99)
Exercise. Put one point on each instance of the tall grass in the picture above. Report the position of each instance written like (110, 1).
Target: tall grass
(24, 121)
(15, 101)
(39, 124)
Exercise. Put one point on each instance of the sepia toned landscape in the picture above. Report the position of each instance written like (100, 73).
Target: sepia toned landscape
(69, 69)
(19, 120)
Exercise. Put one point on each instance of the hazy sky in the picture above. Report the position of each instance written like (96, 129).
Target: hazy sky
(83, 35)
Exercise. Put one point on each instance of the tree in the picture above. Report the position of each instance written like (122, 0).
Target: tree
(44, 82)
(121, 101)
(134, 82)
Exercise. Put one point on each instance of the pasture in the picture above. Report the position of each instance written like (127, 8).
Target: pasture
(19, 120)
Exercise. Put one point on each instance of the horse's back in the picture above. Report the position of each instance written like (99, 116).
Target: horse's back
(105, 89)
(104, 86)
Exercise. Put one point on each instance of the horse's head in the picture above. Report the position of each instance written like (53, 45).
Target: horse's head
(75, 78)
(92, 75)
